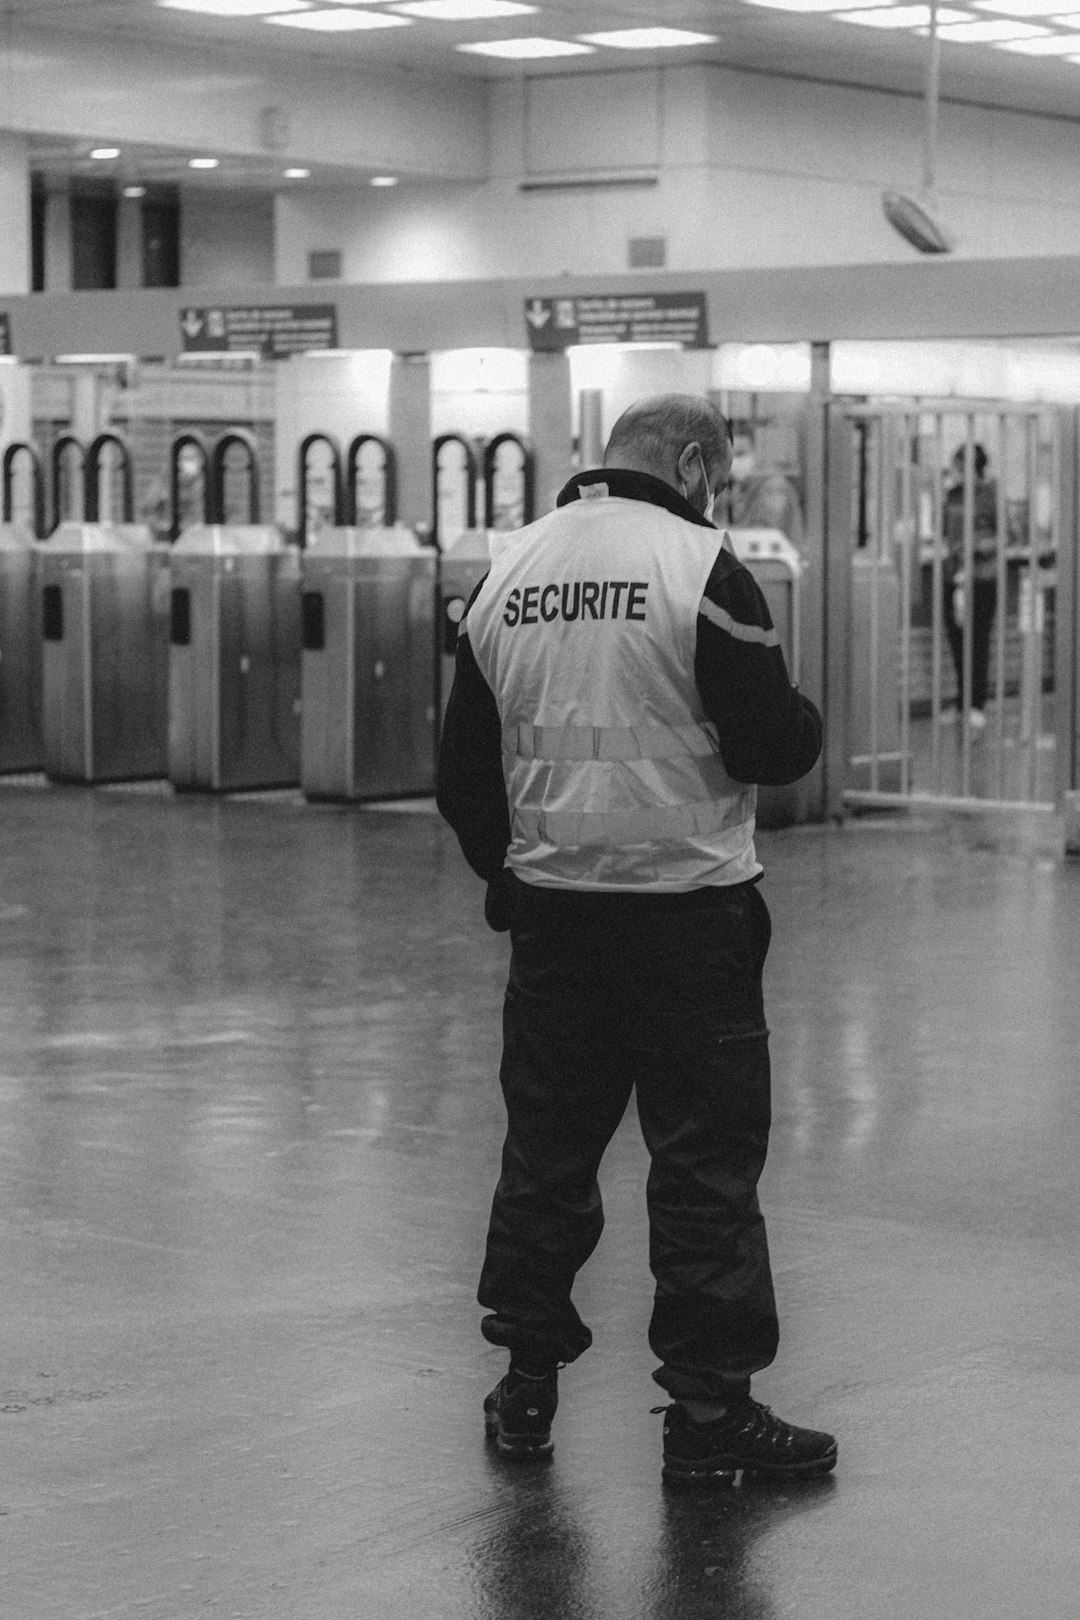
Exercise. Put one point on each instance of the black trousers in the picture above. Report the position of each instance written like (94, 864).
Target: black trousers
(609, 993)
(983, 608)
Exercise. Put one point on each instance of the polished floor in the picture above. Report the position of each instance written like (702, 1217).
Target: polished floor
(249, 1125)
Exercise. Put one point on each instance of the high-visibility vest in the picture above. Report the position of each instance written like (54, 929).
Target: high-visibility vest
(585, 630)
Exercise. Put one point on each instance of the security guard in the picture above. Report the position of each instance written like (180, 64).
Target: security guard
(619, 691)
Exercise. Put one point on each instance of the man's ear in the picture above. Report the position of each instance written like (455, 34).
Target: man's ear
(687, 463)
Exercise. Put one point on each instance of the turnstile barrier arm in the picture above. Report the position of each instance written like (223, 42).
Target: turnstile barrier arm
(11, 453)
(390, 479)
(92, 465)
(339, 502)
(187, 441)
(222, 446)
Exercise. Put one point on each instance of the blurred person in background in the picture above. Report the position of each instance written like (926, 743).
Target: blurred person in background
(757, 499)
(984, 592)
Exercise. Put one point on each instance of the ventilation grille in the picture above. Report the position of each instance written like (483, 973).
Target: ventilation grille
(646, 252)
(324, 264)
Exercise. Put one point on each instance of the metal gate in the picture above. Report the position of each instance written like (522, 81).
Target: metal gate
(958, 522)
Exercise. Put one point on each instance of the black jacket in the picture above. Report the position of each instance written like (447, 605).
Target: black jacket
(768, 732)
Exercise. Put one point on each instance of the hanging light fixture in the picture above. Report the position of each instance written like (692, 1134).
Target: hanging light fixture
(917, 218)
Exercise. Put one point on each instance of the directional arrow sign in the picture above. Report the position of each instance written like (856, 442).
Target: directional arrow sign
(537, 312)
(191, 323)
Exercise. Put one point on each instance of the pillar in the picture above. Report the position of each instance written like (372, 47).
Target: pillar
(128, 242)
(551, 425)
(58, 236)
(14, 214)
(410, 434)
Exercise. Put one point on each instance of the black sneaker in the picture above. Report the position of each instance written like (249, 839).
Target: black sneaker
(518, 1414)
(747, 1443)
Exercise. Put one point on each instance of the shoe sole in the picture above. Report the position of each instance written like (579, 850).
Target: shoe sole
(747, 1473)
(516, 1447)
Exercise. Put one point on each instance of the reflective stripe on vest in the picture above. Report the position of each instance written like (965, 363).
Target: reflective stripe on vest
(573, 829)
(608, 742)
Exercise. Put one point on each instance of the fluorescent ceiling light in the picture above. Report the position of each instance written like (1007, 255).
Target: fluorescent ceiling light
(203, 163)
(988, 32)
(820, 5)
(341, 22)
(465, 10)
(903, 17)
(102, 154)
(134, 192)
(521, 49)
(234, 8)
(91, 359)
(297, 174)
(1020, 8)
(383, 180)
(1050, 45)
(648, 39)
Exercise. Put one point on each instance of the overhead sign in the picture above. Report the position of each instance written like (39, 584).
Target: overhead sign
(5, 332)
(669, 317)
(273, 330)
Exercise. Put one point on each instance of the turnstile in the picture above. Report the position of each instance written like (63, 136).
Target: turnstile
(368, 726)
(234, 659)
(775, 564)
(20, 616)
(104, 621)
(20, 651)
(461, 569)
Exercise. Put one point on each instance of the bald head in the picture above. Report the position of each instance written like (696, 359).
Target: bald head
(680, 438)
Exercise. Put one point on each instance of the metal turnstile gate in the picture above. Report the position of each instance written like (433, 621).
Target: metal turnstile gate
(954, 518)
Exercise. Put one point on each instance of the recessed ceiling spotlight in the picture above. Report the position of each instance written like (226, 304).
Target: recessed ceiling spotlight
(383, 180)
(341, 22)
(102, 154)
(523, 49)
(1049, 45)
(648, 39)
(234, 8)
(297, 174)
(203, 163)
(819, 5)
(134, 192)
(903, 17)
(465, 10)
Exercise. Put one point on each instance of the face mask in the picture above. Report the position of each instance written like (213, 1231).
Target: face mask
(710, 503)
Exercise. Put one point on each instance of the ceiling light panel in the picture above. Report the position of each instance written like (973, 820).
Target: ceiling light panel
(1051, 45)
(465, 10)
(1020, 8)
(234, 8)
(903, 17)
(819, 5)
(520, 50)
(648, 39)
(987, 32)
(341, 22)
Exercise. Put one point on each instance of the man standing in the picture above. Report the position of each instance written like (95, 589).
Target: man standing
(619, 690)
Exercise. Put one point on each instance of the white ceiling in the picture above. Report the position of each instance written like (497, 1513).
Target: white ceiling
(749, 36)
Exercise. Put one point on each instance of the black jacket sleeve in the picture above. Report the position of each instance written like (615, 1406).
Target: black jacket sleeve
(768, 732)
(470, 790)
